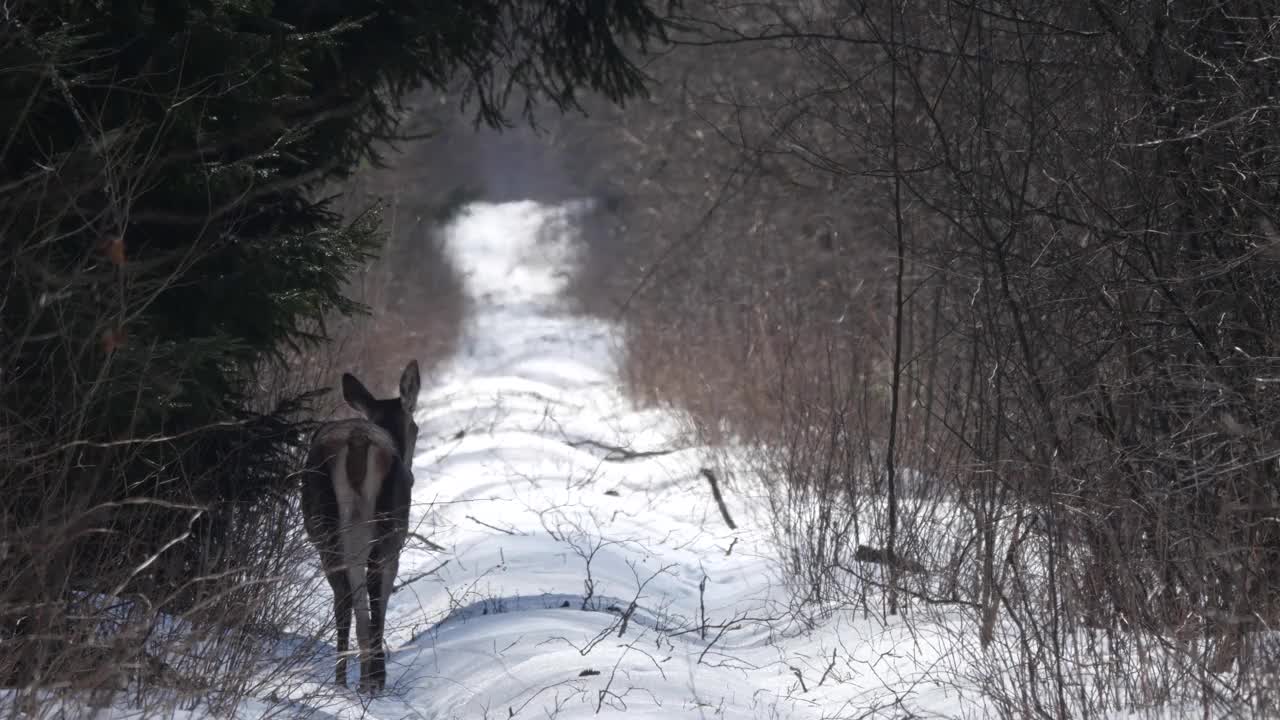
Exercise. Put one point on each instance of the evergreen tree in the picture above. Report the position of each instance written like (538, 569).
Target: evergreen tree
(163, 238)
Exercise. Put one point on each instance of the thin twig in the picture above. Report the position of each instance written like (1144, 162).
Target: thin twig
(476, 520)
(430, 545)
(723, 629)
(702, 605)
(420, 575)
(830, 667)
(800, 677)
(715, 493)
(621, 454)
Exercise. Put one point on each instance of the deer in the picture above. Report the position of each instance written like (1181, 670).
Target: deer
(356, 491)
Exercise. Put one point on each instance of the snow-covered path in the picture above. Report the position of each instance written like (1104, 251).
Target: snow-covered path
(575, 585)
(581, 566)
(578, 581)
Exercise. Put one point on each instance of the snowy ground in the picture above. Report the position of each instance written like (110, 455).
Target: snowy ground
(574, 583)
(577, 584)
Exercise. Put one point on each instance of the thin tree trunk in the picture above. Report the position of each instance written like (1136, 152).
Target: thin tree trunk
(891, 469)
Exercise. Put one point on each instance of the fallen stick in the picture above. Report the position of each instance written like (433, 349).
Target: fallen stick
(430, 545)
(715, 493)
(420, 575)
(620, 454)
(478, 521)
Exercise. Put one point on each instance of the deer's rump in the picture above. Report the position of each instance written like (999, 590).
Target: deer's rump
(353, 477)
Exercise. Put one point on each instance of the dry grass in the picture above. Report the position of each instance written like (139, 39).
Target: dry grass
(153, 604)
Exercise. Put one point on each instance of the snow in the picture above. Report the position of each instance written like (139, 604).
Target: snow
(549, 543)
(575, 583)
(578, 586)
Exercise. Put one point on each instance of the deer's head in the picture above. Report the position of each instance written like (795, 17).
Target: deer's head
(395, 415)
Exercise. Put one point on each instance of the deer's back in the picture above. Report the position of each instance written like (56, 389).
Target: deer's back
(361, 456)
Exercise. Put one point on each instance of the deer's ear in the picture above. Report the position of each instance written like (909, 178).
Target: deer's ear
(410, 384)
(356, 394)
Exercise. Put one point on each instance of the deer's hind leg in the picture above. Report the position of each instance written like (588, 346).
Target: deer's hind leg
(384, 563)
(320, 518)
(379, 589)
(342, 615)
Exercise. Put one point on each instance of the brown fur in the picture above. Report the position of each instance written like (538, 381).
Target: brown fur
(356, 492)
